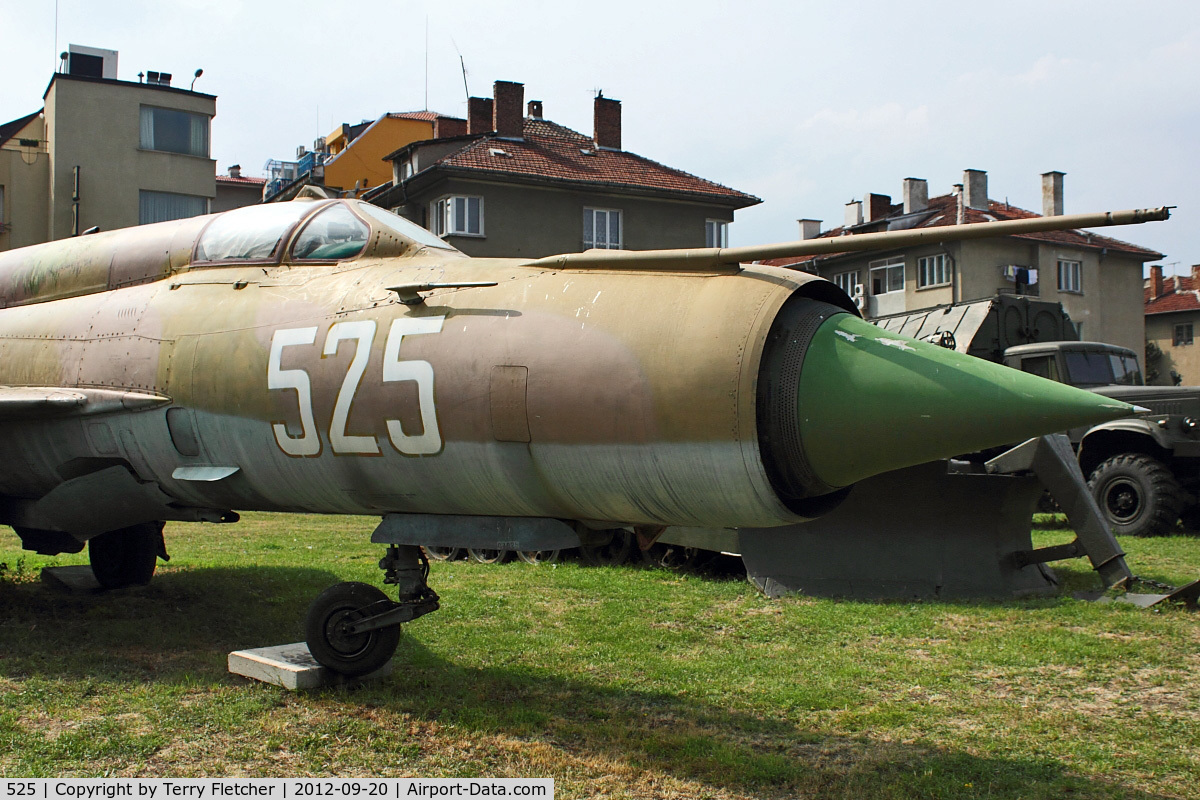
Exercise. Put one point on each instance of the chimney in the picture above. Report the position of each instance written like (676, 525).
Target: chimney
(607, 122)
(961, 216)
(876, 206)
(235, 171)
(854, 213)
(535, 109)
(507, 119)
(1195, 276)
(1156, 281)
(479, 115)
(916, 195)
(975, 181)
(1052, 194)
(445, 127)
(809, 228)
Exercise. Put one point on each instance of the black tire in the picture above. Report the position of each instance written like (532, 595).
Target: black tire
(1137, 494)
(614, 553)
(485, 556)
(127, 556)
(443, 553)
(353, 654)
(539, 556)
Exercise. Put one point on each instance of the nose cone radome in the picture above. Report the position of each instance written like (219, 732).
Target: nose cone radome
(870, 401)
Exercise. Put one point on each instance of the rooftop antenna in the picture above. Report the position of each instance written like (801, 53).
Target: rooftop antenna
(463, 64)
(56, 30)
(426, 62)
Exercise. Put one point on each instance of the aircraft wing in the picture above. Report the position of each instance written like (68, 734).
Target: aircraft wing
(717, 258)
(31, 402)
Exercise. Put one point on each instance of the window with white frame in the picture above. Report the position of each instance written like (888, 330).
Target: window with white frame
(847, 281)
(601, 229)
(716, 233)
(163, 206)
(932, 271)
(1070, 276)
(1183, 335)
(887, 275)
(457, 215)
(174, 131)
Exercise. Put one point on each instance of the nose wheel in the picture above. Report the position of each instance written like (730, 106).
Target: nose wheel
(354, 628)
(332, 638)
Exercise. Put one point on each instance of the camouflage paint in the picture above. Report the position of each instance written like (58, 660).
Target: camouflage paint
(623, 394)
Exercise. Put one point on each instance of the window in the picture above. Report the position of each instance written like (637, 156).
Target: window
(931, 271)
(333, 234)
(1042, 366)
(251, 233)
(163, 206)
(716, 233)
(847, 281)
(457, 215)
(1126, 371)
(174, 131)
(601, 229)
(1069, 276)
(2, 228)
(1087, 368)
(1183, 335)
(887, 275)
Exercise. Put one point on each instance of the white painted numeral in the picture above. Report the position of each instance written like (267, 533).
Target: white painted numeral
(429, 441)
(308, 443)
(364, 332)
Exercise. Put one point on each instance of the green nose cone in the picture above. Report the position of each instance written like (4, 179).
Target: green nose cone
(871, 401)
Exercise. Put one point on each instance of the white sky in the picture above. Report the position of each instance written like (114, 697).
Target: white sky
(807, 105)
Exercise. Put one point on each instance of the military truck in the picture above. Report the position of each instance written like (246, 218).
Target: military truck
(1144, 472)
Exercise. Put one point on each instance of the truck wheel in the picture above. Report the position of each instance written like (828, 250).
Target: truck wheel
(1137, 494)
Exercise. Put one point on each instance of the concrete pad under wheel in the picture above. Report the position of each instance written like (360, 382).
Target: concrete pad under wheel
(293, 667)
(78, 578)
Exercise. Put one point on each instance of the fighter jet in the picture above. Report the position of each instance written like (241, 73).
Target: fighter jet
(327, 356)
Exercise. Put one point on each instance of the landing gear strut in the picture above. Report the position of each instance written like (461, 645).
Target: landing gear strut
(353, 628)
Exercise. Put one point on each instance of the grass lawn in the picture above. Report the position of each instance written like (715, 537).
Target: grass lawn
(616, 682)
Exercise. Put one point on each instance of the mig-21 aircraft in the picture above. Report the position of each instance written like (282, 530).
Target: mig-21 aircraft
(327, 356)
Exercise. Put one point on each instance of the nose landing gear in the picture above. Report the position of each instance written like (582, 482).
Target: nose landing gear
(354, 628)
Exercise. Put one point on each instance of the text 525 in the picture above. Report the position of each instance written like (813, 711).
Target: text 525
(362, 333)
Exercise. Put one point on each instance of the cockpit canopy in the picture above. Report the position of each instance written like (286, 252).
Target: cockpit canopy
(302, 232)
(318, 232)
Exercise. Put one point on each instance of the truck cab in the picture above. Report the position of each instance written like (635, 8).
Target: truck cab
(1144, 472)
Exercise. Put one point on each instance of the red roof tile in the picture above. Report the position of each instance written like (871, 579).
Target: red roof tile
(1179, 294)
(243, 180)
(426, 116)
(549, 150)
(943, 210)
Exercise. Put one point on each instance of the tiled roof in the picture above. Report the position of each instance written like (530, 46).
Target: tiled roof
(550, 151)
(1179, 294)
(230, 179)
(943, 210)
(426, 116)
(10, 129)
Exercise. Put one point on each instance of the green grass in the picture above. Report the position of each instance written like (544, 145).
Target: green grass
(616, 682)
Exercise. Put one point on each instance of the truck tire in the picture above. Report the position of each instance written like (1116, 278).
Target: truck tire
(1137, 494)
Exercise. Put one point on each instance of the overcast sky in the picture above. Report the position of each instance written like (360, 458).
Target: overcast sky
(807, 105)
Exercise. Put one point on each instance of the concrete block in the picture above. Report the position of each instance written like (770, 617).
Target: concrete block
(78, 578)
(293, 667)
